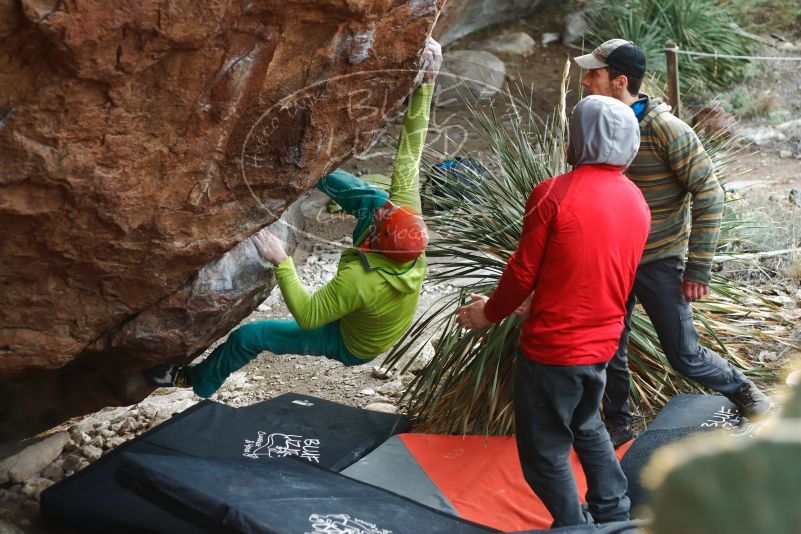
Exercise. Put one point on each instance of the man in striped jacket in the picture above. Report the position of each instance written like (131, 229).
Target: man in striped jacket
(677, 179)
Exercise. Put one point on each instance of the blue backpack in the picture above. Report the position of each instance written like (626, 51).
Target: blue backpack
(454, 180)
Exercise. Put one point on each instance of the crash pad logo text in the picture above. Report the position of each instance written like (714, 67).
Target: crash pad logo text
(342, 524)
(731, 420)
(279, 445)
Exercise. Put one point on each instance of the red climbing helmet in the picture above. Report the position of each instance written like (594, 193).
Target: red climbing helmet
(402, 236)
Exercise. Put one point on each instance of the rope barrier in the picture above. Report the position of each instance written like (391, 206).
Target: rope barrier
(727, 56)
(755, 255)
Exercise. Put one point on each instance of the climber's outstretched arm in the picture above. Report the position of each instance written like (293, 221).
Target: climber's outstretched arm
(361, 199)
(405, 189)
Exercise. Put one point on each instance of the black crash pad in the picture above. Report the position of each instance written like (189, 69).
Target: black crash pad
(94, 500)
(617, 527)
(283, 497)
(682, 416)
(321, 432)
(697, 411)
(640, 453)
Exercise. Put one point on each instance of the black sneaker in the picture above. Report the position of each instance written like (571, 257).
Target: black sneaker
(167, 375)
(750, 401)
(619, 433)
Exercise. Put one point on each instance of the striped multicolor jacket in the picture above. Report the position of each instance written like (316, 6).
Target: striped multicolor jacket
(676, 177)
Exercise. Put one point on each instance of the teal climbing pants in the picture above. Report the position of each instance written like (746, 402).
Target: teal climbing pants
(276, 336)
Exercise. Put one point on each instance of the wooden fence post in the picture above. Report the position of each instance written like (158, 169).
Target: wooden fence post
(672, 59)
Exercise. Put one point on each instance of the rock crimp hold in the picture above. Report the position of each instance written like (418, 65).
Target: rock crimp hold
(139, 143)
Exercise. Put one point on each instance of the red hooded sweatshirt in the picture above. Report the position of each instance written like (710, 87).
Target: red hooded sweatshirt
(583, 236)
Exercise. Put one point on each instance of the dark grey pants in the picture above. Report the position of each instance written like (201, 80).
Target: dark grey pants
(657, 287)
(556, 408)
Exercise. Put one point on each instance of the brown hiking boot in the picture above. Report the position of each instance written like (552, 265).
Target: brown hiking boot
(619, 433)
(750, 401)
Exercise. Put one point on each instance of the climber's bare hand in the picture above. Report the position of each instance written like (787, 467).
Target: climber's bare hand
(432, 60)
(270, 247)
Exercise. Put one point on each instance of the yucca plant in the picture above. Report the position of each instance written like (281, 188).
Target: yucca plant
(467, 386)
(695, 25)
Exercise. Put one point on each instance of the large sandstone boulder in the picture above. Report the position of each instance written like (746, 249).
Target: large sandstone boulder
(142, 140)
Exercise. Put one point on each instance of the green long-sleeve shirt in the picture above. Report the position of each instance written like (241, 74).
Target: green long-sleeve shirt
(677, 179)
(374, 298)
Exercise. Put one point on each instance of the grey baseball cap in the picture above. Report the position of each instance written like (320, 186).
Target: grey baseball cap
(623, 56)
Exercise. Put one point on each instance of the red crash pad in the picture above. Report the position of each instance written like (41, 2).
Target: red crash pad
(482, 478)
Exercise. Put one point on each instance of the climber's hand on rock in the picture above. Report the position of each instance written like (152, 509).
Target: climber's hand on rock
(432, 60)
(270, 247)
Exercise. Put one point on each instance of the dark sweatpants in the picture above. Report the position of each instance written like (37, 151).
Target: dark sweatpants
(556, 408)
(658, 288)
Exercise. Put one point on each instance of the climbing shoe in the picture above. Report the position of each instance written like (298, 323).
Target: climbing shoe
(619, 433)
(168, 375)
(750, 401)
